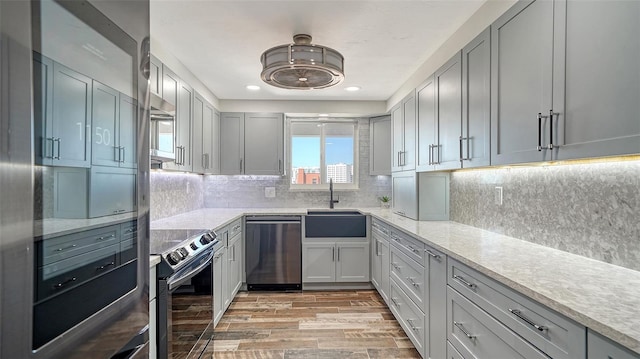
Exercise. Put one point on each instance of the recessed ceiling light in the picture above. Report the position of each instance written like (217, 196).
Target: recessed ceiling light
(323, 115)
(253, 87)
(352, 88)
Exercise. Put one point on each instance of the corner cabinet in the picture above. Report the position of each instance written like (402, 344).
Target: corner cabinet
(252, 143)
(403, 127)
(380, 146)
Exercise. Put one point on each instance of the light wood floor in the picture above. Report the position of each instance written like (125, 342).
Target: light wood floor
(310, 324)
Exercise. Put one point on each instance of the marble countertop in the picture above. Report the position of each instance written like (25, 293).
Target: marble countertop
(598, 295)
(53, 227)
(154, 260)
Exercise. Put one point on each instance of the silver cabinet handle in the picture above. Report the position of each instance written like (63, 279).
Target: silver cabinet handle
(241, 165)
(539, 148)
(551, 113)
(203, 161)
(395, 238)
(184, 155)
(377, 248)
(463, 281)
(413, 327)
(395, 301)
(463, 158)
(464, 331)
(338, 254)
(333, 254)
(44, 147)
(413, 283)
(395, 266)
(57, 156)
(62, 284)
(102, 267)
(413, 249)
(519, 314)
(434, 255)
(65, 248)
(430, 154)
(279, 166)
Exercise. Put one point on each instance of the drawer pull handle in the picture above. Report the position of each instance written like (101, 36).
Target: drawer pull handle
(105, 266)
(395, 238)
(413, 327)
(103, 238)
(62, 284)
(464, 331)
(65, 248)
(429, 252)
(395, 266)
(519, 314)
(395, 302)
(413, 250)
(463, 281)
(412, 282)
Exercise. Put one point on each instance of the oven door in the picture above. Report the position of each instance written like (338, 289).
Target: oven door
(186, 310)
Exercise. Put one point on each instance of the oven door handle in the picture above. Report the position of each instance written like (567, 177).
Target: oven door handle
(176, 282)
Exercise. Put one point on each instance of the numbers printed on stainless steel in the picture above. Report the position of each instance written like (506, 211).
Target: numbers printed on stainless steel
(464, 281)
(518, 313)
(464, 331)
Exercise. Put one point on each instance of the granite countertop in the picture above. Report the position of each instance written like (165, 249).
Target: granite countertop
(598, 295)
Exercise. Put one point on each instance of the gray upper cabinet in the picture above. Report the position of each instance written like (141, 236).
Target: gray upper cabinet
(427, 125)
(206, 129)
(380, 146)
(476, 102)
(43, 108)
(403, 126)
(231, 143)
(114, 132)
(263, 144)
(170, 83)
(184, 116)
(446, 152)
(601, 80)
(155, 76)
(68, 135)
(111, 191)
(522, 47)
(404, 194)
(252, 143)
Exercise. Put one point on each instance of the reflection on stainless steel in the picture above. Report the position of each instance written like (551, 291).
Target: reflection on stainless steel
(162, 130)
(273, 257)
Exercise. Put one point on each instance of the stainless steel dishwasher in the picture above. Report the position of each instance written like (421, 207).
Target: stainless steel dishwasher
(273, 252)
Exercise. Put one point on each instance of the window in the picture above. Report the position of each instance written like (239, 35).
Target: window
(323, 150)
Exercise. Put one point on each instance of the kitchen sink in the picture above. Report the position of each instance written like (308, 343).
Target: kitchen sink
(335, 224)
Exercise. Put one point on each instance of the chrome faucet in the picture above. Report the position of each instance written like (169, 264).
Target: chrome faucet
(331, 200)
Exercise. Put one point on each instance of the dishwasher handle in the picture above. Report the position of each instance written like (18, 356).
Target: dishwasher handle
(273, 219)
(273, 222)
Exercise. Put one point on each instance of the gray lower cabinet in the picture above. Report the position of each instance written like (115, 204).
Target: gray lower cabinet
(219, 283)
(235, 266)
(452, 352)
(62, 114)
(477, 335)
(380, 258)
(475, 149)
(112, 191)
(330, 261)
(600, 85)
(410, 317)
(522, 70)
(599, 347)
(252, 143)
(380, 146)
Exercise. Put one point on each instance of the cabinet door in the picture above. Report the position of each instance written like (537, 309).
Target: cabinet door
(352, 262)
(111, 191)
(71, 117)
(404, 194)
(380, 146)
(184, 116)
(599, 347)
(199, 157)
(231, 143)
(601, 80)
(170, 83)
(128, 132)
(207, 137)
(385, 261)
(449, 107)
(427, 126)
(105, 150)
(397, 136)
(436, 303)
(263, 143)
(476, 101)
(318, 262)
(376, 264)
(43, 108)
(218, 276)
(234, 258)
(521, 75)
(155, 76)
(408, 155)
(226, 297)
(214, 157)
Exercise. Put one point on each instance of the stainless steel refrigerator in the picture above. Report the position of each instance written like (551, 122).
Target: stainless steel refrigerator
(74, 178)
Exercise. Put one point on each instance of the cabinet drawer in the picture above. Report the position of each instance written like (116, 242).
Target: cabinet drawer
(453, 353)
(409, 275)
(410, 317)
(557, 336)
(129, 230)
(599, 347)
(60, 248)
(411, 246)
(235, 228)
(380, 228)
(478, 335)
(69, 273)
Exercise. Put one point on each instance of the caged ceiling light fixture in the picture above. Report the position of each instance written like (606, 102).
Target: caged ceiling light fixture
(302, 65)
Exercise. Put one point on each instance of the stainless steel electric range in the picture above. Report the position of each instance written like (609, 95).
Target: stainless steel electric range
(185, 291)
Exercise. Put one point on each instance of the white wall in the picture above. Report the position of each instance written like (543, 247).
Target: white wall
(334, 108)
(479, 21)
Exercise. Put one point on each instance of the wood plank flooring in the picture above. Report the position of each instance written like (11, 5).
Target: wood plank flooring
(310, 324)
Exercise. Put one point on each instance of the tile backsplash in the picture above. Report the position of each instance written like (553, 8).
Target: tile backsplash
(174, 193)
(589, 209)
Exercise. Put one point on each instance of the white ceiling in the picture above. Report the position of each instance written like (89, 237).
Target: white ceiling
(383, 41)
